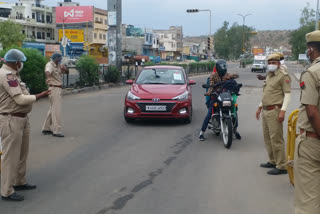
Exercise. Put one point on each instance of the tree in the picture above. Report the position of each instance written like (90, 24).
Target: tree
(33, 70)
(297, 37)
(89, 71)
(228, 41)
(10, 34)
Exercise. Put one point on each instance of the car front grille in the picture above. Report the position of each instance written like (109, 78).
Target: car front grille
(169, 107)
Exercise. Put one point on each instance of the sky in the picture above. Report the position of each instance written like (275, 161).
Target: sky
(266, 14)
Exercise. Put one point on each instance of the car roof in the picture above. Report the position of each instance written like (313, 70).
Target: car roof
(163, 66)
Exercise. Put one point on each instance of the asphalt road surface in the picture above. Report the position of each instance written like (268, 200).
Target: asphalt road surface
(105, 165)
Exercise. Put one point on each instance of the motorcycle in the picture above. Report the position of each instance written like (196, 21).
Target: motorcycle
(224, 117)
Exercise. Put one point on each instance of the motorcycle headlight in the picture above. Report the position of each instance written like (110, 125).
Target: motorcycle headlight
(182, 97)
(131, 96)
(226, 103)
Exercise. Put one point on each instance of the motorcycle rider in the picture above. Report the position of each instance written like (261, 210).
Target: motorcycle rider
(220, 76)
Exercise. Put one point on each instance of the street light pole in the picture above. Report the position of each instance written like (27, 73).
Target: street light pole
(243, 35)
(317, 16)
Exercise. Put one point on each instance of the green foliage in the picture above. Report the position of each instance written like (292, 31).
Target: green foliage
(307, 15)
(149, 64)
(33, 71)
(297, 38)
(10, 34)
(113, 75)
(228, 41)
(89, 71)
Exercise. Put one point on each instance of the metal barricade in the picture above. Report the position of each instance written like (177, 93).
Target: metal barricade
(291, 142)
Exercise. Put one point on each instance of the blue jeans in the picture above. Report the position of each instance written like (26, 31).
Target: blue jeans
(208, 116)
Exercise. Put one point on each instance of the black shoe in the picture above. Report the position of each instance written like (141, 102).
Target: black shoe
(201, 138)
(267, 165)
(277, 171)
(13, 197)
(46, 132)
(238, 136)
(58, 135)
(24, 187)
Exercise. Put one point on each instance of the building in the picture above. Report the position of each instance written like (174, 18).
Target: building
(170, 42)
(37, 20)
(83, 25)
(133, 40)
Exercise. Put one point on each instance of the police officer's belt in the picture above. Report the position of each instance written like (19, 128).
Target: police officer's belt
(57, 86)
(23, 115)
(271, 107)
(309, 134)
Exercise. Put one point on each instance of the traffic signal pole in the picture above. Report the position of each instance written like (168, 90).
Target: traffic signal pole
(210, 28)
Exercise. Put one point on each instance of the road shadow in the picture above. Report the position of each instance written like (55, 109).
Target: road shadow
(158, 122)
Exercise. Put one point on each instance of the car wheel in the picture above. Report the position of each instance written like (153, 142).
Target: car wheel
(129, 120)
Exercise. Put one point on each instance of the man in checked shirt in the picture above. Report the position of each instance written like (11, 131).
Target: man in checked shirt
(220, 76)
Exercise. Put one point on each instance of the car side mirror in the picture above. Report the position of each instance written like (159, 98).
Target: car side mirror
(129, 82)
(192, 82)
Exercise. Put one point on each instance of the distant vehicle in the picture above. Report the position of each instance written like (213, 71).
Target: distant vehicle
(302, 59)
(159, 92)
(259, 64)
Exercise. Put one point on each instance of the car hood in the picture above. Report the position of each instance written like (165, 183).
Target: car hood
(149, 91)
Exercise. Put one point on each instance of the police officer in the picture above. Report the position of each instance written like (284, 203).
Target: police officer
(15, 104)
(282, 66)
(54, 72)
(307, 158)
(275, 100)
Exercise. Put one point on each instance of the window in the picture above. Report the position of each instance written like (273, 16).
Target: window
(43, 35)
(100, 36)
(104, 37)
(23, 32)
(60, 5)
(49, 35)
(33, 16)
(101, 20)
(106, 22)
(38, 35)
(95, 35)
(33, 34)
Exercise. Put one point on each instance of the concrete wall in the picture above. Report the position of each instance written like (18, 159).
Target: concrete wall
(132, 44)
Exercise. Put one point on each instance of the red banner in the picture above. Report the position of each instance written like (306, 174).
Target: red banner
(74, 14)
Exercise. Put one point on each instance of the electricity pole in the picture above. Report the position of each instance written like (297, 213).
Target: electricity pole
(114, 32)
(317, 16)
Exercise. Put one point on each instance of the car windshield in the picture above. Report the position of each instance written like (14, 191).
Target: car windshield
(161, 76)
(259, 62)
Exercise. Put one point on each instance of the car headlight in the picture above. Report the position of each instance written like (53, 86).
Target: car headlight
(131, 96)
(226, 103)
(182, 97)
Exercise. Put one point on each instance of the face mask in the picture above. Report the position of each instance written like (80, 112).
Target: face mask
(272, 68)
(282, 62)
(308, 57)
(21, 67)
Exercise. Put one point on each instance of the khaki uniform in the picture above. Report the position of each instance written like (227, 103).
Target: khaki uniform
(14, 131)
(307, 158)
(53, 120)
(275, 86)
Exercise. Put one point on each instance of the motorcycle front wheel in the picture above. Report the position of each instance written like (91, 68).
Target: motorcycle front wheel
(227, 132)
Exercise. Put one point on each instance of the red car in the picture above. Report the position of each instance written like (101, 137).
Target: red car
(159, 92)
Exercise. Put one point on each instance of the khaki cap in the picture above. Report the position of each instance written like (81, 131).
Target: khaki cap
(280, 55)
(275, 57)
(313, 36)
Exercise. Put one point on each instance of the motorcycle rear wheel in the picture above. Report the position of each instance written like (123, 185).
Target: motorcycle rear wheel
(227, 132)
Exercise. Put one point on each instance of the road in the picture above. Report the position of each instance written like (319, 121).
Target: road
(105, 165)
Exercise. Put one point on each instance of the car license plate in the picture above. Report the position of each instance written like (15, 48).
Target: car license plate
(156, 108)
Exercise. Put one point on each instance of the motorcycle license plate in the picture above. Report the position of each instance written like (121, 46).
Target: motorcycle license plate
(156, 108)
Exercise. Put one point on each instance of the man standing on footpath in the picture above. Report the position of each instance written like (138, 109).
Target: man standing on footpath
(307, 157)
(54, 72)
(15, 104)
(275, 100)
